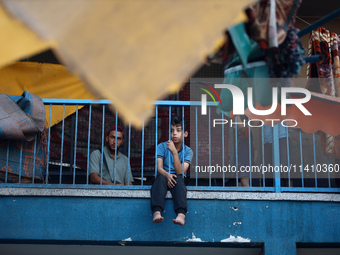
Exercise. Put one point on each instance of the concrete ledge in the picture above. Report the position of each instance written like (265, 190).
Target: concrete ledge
(203, 195)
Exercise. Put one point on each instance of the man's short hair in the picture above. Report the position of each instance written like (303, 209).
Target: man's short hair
(119, 129)
(177, 121)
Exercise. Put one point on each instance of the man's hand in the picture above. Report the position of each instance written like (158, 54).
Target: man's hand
(171, 180)
(171, 146)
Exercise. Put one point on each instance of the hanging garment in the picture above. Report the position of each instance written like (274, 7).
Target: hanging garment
(286, 60)
(260, 20)
(267, 28)
(323, 108)
(323, 42)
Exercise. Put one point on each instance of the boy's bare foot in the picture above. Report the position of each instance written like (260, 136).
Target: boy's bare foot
(157, 217)
(180, 219)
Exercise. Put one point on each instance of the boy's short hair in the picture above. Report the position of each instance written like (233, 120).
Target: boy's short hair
(177, 121)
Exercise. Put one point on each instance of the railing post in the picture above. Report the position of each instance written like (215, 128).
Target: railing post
(276, 158)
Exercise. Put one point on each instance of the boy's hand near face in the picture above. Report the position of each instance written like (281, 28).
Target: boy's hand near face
(171, 146)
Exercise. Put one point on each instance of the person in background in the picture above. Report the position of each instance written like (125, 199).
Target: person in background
(111, 159)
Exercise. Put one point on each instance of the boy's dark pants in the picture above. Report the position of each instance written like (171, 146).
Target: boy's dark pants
(178, 192)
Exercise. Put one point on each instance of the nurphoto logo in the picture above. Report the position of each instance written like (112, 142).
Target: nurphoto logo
(238, 100)
(238, 104)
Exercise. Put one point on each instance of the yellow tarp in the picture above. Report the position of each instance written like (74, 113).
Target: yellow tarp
(45, 81)
(131, 52)
(17, 40)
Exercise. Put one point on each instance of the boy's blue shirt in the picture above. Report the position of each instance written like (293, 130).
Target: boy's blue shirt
(168, 159)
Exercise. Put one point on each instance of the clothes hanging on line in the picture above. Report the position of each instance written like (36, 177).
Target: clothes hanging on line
(259, 18)
(260, 27)
(321, 41)
(286, 60)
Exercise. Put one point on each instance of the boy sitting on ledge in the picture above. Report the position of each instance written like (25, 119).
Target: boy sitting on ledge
(170, 173)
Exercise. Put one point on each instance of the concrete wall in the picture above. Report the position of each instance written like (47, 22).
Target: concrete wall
(279, 221)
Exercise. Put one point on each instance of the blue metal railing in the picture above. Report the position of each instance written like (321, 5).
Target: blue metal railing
(227, 180)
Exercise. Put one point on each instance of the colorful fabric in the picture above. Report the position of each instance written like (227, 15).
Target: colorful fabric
(22, 118)
(286, 60)
(322, 42)
(325, 43)
(22, 168)
(259, 17)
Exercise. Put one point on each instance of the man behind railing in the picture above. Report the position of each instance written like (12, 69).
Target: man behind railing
(122, 175)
